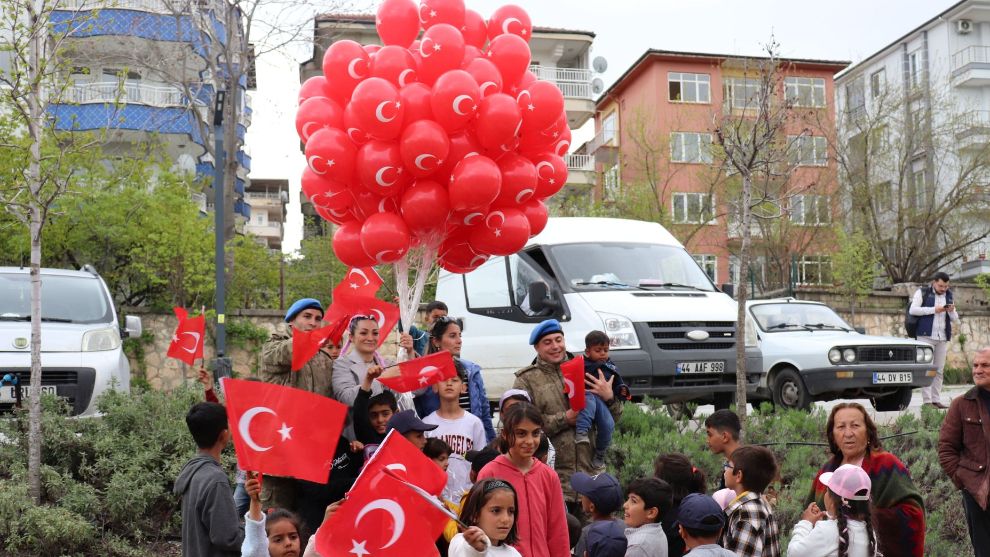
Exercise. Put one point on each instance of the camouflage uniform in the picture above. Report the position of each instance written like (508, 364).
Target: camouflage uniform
(545, 385)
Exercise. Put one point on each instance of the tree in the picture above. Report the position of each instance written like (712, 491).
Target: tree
(854, 267)
(254, 280)
(313, 271)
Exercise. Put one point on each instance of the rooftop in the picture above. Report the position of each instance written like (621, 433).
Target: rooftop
(370, 18)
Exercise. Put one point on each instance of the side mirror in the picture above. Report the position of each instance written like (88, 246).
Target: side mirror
(729, 289)
(539, 298)
(132, 326)
(860, 330)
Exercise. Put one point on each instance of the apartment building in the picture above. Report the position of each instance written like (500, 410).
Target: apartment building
(269, 200)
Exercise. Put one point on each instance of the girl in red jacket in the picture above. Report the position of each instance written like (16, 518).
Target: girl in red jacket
(541, 521)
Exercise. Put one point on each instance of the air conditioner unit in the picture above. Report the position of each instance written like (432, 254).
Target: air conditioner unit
(964, 26)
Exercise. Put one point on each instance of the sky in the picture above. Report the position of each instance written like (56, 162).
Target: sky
(847, 30)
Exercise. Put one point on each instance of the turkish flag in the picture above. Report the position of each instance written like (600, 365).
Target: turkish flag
(420, 372)
(343, 309)
(283, 431)
(187, 342)
(305, 344)
(359, 281)
(573, 372)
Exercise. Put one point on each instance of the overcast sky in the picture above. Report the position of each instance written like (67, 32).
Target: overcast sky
(836, 30)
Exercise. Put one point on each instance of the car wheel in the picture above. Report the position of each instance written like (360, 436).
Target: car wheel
(894, 401)
(789, 391)
(681, 410)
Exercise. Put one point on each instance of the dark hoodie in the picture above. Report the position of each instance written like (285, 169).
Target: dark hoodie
(209, 519)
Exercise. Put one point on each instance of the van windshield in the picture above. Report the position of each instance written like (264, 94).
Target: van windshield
(66, 299)
(628, 266)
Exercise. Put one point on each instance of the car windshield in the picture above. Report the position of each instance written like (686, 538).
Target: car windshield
(66, 299)
(796, 316)
(629, 266)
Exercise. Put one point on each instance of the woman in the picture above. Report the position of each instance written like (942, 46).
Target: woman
(899, 512)
(684, 478)
(352, 365)
(445, 334)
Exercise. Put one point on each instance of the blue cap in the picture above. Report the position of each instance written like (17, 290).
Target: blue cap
(545, 328)
(299, 305)
(700, 512)
(607, 538)
(603, 490)
(407, 421)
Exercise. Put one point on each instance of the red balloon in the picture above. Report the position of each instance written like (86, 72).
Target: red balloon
(415, 99)
(385, 237)
(379, 168)
(551, 174)
(510, 19)
(470, 53)
(455, 100)
(528, 77)
(395, 64)
(433, 12)
(518, 181)
(541, 104)
(372, 49)
(537, 215)
(511, 56)
(504, 232)
(347, 245)
(335, 216)
(474, 184)
(345, 64)
(499, 121)
(487, 75)
(377, 107)
(355, 132)
(534, 143)
(460, 222)
(425, 206)
(441, 50)
(315, 86)
(315, 113)
(563, 145)
(324, 193)
(423, 146)
(330, 154)
(475, 30)
(462, 145)
(367, 204)
(456, 253)
(397, 22)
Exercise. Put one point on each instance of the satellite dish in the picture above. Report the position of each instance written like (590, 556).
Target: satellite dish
(599, 64)
(597, 85)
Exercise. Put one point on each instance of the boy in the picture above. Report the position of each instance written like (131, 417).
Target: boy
(605, 539)
(600, 497)
(595, 411)
(699, 521)
(210, 525)
(461, 430)
(647, 499)
(421, 338)
(752, 529)
(371, 415)
(410, 426)
(723, 429)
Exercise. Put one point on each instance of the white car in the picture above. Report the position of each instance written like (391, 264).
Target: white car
(810, 353)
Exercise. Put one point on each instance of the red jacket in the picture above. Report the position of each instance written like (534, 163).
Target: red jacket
(541, 521)
(964, 445)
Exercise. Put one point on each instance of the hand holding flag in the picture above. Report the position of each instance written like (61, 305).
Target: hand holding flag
(573, 372)
(420, 372)
(187, 342)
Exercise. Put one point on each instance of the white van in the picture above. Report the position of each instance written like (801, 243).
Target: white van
(673, 333)
(81, 352)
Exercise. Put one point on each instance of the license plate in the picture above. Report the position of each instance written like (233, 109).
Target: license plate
(8, 395)
(888, 377)
(700, 367)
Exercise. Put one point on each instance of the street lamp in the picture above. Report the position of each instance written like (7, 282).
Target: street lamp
(221, 364)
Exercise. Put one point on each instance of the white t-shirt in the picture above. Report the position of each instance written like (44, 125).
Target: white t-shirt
(459, 547)
(822, 540)
(464, 434)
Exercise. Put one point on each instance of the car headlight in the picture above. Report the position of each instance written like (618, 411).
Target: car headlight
(101, 340)
(620, 331)
(849, 355)
(929, 354)
(919, 354)
(752, 338)
(835, 355)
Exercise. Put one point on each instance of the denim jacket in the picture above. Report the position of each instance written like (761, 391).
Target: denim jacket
(429, 401)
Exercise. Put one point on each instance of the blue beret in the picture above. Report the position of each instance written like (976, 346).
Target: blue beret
(545, 328)
(299, 305)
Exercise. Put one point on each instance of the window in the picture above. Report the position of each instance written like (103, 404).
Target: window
(919, 190)
(691, 147)
(810, 210)
(883, 197)
(855, 99)
(114, 74)
(914, 68)
(805, 91)
(608, 127)
(742, 92)
(610, 182)
(693, 208)
(815, 269)
(488, 286)
(808, 150)
(709, 264)
(689, 87)
(878, 82)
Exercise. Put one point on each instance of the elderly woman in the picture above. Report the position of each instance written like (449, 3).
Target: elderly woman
(899, 512)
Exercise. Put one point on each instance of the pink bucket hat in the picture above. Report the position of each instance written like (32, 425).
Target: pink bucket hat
(850, 482)
(723, 497)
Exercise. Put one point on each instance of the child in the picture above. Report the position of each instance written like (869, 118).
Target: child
(683, 477)
(438, 451)
(595, 411)
(600, 497)
(279, 534)
(460, 430)
(647, 499)
(209, 519)
(479, 459)
(490, 511)
(723, 429)
(371, 415)
(850, 534)
(515, 396)
(752, 529)
(410, 426)
(540, 514)
(605, 539)
(700, 520)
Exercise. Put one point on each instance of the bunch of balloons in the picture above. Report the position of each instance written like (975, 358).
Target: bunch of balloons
(443, 140)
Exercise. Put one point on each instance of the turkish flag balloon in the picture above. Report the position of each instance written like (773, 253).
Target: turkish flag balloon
(475, 30)
(534, 143)
(345, 64)
(395, 64)
(347, 245)
(499, 121)
(518, 180)
(541, 104)
(379, 168)
(563, 145)
(371, 49)
(336, 216)
(462, 144)
(551, 174)
(474, 184)
(456, 250)
(511, 56)
(510, 19)
(353, 127)
(455, 100)
(397, 22)
(367, 203)
(486, 75)
(504, 232)
(441, 50)
(385, 237)
(324, 193)
(329, 153)
(433, 12)
(315, 113)
(415, 99)
(423, 146)
(536, 214)
(377, 108)
(315, 86)
(425, 206)
(514, 89)
(470, 53)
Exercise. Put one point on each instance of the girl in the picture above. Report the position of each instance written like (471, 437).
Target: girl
(541, 518)
(684, 478)
(277, 535)
(849, 533)
(490, 510)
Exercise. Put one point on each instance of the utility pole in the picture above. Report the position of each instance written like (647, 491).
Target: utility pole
(222, 363)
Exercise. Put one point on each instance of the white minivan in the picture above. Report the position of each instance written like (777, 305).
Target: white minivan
(673, 333)
(81, 352)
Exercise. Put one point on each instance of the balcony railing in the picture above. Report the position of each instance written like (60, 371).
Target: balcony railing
(574, 83)
(270, 229)
(584, 163)
(131, 93)
(269, 197)
(971, 55)
(152, 6)
(604, 138)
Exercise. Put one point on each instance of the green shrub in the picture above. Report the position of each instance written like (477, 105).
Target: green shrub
(958, 376)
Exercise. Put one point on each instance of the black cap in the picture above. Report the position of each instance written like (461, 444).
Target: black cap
(480, 458)
(700, 512)
(407, 421)
(603, 490)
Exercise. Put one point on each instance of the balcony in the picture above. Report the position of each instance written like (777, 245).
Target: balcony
(580, 170)
(152, 6)
(974, 130)
(127, 93)
(603, 147)
(199, 198)
(575, 84)
(971, 67)
(270, 229)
